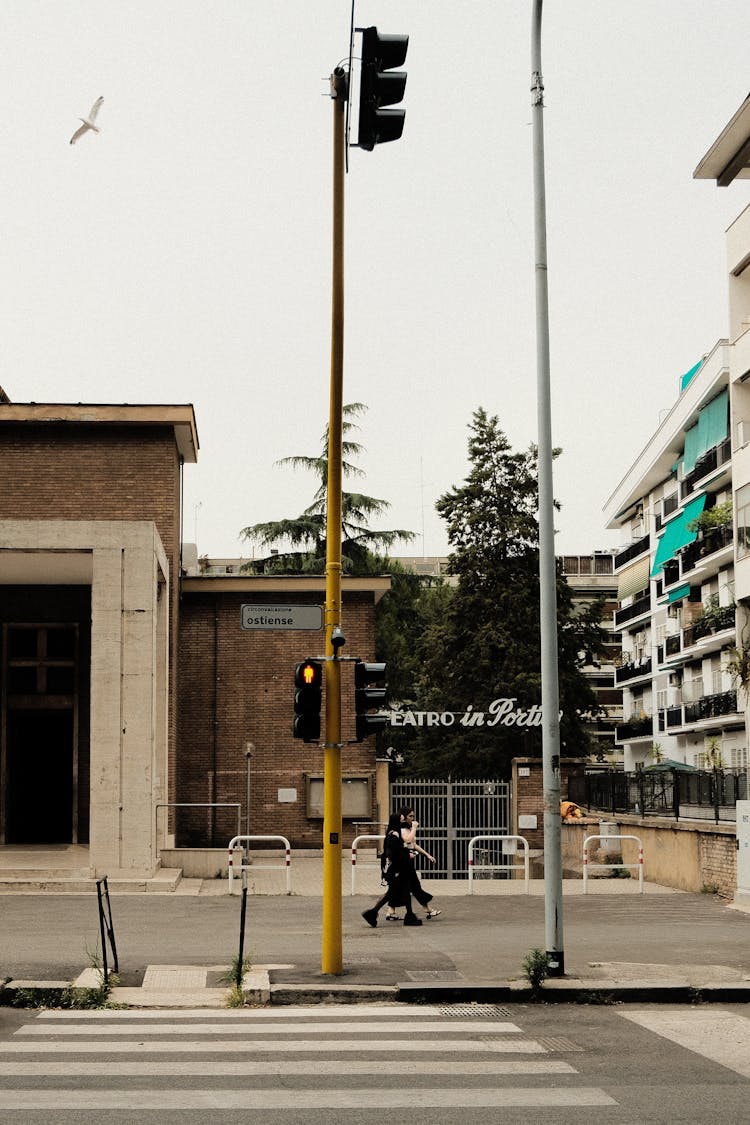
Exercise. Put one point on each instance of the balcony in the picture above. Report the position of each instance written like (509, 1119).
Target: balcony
(636, 548)
(632, 669)
(710, 461)
(635, 728)
(707, 544)
(717, 621)
(711, 707)
(640, 606)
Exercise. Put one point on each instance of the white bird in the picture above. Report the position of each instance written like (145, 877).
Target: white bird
(88, 122)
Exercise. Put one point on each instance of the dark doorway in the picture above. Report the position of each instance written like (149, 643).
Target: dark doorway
(40, 777)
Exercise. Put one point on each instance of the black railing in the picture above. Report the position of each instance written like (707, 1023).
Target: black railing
(637, 547)
(632, 669)
(634, 728)
(711, 706)
(690, 794)
(707, 544)
(711, 459)
(639, 606)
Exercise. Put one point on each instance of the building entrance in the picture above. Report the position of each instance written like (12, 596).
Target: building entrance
(40, 777)
(41, 766)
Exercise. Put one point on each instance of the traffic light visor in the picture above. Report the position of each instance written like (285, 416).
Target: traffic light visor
(385, 50)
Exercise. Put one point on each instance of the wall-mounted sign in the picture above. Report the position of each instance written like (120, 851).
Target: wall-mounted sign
(282, 617)
(501, 711)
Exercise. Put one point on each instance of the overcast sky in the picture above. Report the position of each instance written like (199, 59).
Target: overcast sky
(183, 255)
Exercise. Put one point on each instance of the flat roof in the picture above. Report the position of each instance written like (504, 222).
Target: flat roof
(272, 585)
(728, 158)
(181, 418)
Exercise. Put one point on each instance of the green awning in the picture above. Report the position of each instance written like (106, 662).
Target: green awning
(689, 375)
(710, 430)
(676, 534)
(678, 594)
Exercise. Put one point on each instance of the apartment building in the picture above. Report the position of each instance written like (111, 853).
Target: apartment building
(591, 577)
(683, 573)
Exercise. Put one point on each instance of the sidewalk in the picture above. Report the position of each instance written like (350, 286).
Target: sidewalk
(174, 947)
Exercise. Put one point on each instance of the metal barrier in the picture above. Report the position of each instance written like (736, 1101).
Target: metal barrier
(354, 856)
(236, 842)
(198, 805)
(501, 866)
(587, 864)
(106, 927)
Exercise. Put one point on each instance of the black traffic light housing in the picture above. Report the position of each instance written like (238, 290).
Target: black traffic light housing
(370, 691)
(308, 696)
(379, 86)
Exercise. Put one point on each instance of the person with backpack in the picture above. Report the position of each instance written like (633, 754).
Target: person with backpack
(396, 868)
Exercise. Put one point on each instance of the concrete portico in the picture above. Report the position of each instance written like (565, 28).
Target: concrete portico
(125, 565)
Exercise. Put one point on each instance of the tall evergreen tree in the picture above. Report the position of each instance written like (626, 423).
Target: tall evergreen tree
(301, 541)
(485, 642)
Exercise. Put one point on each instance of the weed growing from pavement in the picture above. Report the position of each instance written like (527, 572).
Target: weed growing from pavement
(536, 969)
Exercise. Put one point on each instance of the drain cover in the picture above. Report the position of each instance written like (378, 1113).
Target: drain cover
(477, 1011)
(557, 1043)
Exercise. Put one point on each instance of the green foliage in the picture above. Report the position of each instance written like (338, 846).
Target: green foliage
(718, 516)
(304, 537)
(535, 966)
(481, 640)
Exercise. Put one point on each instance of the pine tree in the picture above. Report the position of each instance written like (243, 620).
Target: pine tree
(485, 642)
(303, 539)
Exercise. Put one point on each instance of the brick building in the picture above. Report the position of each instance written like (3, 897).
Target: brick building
(125, 686)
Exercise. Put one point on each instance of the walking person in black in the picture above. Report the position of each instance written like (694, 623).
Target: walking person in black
(397, 868)
(409, 827)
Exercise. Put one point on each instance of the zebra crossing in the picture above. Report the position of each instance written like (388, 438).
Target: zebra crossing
(326, 1057)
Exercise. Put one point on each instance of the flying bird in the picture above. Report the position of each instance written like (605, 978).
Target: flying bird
(88, 122)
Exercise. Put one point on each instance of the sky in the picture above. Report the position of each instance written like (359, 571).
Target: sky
(183, 255)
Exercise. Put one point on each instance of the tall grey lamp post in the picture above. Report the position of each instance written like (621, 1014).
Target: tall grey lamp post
(553, 914)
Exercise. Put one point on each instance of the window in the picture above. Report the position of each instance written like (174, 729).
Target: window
(742, 507)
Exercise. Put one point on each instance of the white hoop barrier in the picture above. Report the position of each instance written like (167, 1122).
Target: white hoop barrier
(587, 863)
(501, 866)
(236, 869)
(354, 857)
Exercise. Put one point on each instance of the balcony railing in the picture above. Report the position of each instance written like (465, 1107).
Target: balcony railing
(632, 669)
(711, 706)
(637, 547)
(707, 544)
(711, 460)
(634, 728)
(715, 622)
(639, 606)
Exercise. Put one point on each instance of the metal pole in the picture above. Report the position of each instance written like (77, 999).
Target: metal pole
(331, 943)
(553, 913)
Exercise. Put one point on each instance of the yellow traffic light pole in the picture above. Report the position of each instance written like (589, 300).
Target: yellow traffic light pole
(332, 960)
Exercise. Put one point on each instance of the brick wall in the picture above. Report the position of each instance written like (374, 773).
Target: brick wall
(98, 472)
(238, 686)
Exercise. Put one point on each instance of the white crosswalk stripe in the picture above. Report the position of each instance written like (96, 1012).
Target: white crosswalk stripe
(155, 1061)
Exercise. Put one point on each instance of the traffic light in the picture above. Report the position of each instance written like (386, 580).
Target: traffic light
(369, 695)
(381, 85)
(308, 695)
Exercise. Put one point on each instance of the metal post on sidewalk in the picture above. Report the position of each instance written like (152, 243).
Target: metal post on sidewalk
(553, 904)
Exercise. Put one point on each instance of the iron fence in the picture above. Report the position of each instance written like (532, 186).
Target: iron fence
(690, 795)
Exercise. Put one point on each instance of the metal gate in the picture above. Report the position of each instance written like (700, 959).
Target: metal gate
(450, 813)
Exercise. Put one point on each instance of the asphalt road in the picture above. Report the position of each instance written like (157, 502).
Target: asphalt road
(623, 1064)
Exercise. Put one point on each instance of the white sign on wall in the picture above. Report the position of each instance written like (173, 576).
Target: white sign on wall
(282, 617)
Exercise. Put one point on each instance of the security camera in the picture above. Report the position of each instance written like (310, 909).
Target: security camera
(338, 640)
